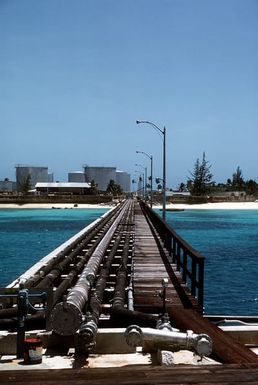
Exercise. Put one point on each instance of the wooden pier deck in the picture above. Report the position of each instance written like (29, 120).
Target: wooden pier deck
(149, 269)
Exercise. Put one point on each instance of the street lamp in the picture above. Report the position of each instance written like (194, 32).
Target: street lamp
(151, 159)
(133, 183)
(141, 179)
(145, 177)
(164, 162)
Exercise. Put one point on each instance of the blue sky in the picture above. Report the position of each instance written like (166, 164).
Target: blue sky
(75, 76)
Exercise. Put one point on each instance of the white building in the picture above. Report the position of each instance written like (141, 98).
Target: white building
(63, 188)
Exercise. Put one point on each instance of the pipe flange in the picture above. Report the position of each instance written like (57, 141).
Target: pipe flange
(65, 319)
(133, 336)
(203, 345)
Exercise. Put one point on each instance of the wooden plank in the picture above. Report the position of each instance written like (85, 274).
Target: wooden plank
(136, 375)
(224, 346)
(149, 270)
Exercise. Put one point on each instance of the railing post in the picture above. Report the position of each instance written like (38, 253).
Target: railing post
(184, 275)
(168, 242)
(193, 283)
(201, 284)
(178, 257)
(174, 250)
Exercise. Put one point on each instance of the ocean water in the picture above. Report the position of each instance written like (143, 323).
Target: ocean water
(28, 235)
(227, 238)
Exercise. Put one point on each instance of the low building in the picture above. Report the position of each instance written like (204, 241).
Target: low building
(176, 194)
(63, 188)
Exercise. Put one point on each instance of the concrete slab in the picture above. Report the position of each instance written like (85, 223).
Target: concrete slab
(9, 362)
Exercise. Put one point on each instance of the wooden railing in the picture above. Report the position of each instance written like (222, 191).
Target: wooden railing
(188, 261)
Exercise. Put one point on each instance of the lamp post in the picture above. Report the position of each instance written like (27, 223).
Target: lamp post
(133, 182)
(151, 159)
(164, 162)
(141, 179)
(144, 179)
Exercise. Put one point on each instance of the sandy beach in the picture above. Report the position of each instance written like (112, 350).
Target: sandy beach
(214, 206)
(169, 206)
(55, 206)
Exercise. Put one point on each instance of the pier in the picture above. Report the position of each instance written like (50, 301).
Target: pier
(126, 286)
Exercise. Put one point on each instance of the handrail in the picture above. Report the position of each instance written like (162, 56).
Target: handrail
(188, 261)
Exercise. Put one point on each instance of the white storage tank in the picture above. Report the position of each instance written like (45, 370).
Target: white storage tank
(76, 176)
(36, 174)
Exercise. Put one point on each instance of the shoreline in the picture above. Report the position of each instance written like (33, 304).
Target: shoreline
(169, 206)
(211, 206)
(55, 206)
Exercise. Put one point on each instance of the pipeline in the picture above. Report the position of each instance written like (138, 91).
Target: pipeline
(33, 322)
(66, 317)
(47, 274)
(48, 280)
(155, 339)
(121, 283)
(120, 316)
(88, 329)
(130, 298)
(78, 267)
(57, 270)
(46, 267)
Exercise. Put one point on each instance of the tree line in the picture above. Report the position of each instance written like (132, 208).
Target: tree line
(113, 188)
(200, 181)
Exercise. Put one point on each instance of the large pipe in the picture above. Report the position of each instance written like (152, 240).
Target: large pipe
(67, 316)
(88, 330)
(121, 316)
(33, 322)
(47, 281)
(125, 317)
(35, 274)
(155, 339)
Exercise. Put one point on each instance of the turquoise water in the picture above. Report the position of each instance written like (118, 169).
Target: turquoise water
(28, 235)
(227, 238)
(229, 241)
